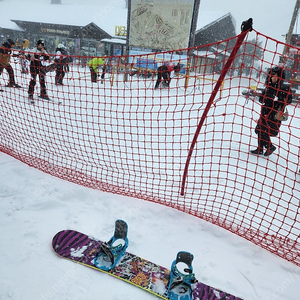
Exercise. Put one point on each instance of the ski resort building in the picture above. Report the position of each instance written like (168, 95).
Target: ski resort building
(93, 34)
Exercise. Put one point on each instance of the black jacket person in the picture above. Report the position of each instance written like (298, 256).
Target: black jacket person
(38, 59)
(269, 123)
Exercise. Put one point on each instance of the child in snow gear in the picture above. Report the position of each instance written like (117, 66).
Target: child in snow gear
(39, 59)
(268, 124)
(23, 60)
(180, 285)
(111, 254)
(94, 64)
(5, 53)
(61, 63)
(166, 72)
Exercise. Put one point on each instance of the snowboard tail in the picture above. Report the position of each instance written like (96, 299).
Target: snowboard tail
(83, 249)
(155, 279)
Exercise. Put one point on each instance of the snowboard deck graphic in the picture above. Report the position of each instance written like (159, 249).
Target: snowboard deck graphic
(83, 249)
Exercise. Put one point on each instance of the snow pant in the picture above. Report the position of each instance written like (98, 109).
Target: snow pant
(264, 129)
(162, 73)
(60, 73)
(94, 74)
(24, 65)
(10, 72)
(34, 71)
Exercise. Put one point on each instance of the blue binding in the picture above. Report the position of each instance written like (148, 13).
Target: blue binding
(110, 255)
(180, 283)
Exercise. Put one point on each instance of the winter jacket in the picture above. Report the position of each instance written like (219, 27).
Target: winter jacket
(38, 59)
(5, 53)
(270, 107)
(94, 63)
(61, 56)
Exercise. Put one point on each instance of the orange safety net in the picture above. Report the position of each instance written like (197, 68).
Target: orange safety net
(122, 135)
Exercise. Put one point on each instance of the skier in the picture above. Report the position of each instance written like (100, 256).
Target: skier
(94, 65)
(61, 63)
(268, 124)
(38, 67)
(166, 71)
(5, 53)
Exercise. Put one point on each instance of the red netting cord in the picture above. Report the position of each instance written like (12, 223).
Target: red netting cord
(127, 129)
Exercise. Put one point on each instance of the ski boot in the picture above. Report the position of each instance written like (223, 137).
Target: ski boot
(15, 85)
(112, 251)
(30, 98)
(180, 285)
(44, 96)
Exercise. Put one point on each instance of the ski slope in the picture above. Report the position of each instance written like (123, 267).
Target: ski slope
(34, 206)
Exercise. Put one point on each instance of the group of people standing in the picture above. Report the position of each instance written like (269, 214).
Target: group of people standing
(37, 61)
(274, 98)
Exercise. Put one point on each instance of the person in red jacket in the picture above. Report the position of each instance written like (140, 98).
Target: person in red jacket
(165, 73)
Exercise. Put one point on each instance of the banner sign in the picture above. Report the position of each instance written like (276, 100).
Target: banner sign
(160, 24)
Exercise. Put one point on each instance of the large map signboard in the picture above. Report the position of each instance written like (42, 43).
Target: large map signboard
(160, 24)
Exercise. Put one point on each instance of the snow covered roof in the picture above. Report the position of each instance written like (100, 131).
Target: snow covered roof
(6, 23)
(101, 14)
(203, 53)
(205, 18)
(115, 41)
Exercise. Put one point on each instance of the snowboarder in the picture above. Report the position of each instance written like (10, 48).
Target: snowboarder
(268, 124)
(39, 59)
(5, 53)
(166, 72)
(94, 65)
(61, 63)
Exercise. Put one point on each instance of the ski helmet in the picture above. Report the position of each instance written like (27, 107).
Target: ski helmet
(40, 42)
(276, 71)
(61, 46)
(10, 42)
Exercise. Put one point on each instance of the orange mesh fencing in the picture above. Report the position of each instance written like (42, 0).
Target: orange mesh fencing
(121, 135)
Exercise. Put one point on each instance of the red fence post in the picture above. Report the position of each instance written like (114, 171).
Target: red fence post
(246, 27)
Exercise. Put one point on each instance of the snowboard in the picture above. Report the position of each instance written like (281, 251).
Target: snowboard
(83, 249)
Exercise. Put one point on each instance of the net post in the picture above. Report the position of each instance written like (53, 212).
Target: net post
(186, 83)
(245, 27)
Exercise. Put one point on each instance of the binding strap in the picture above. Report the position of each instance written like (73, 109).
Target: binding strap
(105, 248)
(179, 281)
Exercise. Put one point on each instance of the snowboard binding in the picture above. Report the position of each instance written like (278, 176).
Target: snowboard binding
(180, 285)
(112, 251)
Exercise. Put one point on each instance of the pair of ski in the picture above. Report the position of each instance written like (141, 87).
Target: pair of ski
(111, 257)
(13, 86)
(32, 100)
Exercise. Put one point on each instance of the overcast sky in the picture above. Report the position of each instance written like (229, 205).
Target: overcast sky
(270, 17)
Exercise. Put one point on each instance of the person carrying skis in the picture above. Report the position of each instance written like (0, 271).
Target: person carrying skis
(38, 59)
(61, 63)
(94, 65)
(268, 124)
(166, 72)
(5, 53)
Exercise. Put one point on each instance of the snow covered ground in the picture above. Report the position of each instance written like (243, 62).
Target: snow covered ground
(34, 206)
